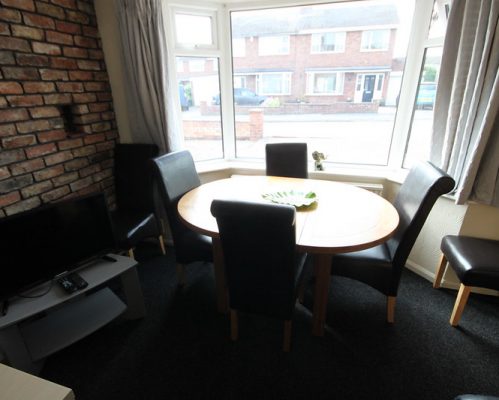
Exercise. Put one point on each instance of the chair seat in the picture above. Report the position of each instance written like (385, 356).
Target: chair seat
(192, 247)
(475, 260)
(131, 228)
(372, 266)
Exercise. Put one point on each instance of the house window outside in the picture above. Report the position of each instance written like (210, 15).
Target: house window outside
(285, 96)
(273, 45)
(375, 40)
(325, 83)
(274, 83)
(238, 47)
(328, 42)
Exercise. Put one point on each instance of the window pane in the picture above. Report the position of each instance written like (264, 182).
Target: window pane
(201, 35)
(324, 90)
(201, 120)
(420, 135)
(439, 18)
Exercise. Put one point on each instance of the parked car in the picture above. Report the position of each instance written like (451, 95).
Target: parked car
(243, 96)
(426, 95)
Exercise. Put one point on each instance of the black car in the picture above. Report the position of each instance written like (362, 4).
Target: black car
(243, 97)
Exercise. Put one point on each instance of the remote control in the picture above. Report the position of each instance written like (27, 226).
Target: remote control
(77, 280)
(67, 285)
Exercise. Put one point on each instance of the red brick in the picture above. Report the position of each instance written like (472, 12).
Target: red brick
(103, 175)
(27, 32)
(41, 150)
(96, 54)
(46, 48)
(80, 109)
(100, 76)
(86, 7)
(23, 205)
(13, 115)
(107, 116)
(105, 146)
(7, 57)
(84, 98)
(70, 144)
(11, 156)
(67, 27)
(85, 42)
(18, 73)
(27, 5)
(105, 96)
(11, 43)
(92, 169)
(98, 107)
(78, 17)
(58, 37)
(112, 135)
(65, 179)
(84, 151)
(33, 60)
(3, 102)
(4, 173)
(63, 63)
(91, 31)
(25, 101)
(82, 183)
(96, 86)
(38, 87)
(76, 164)
(48, 9)
(39, 21)
(32, 126)
(70, 87)
(53, 75)
(36, 189)
(10, 88)
(65, 3)
(89, 65)
(57, 98)
(7, 130)
(6, 14)
(48, 173)
(87, 118)
(58, 158)
(9, 198)
(80, 75)
(27, 166)
(4, 29)
(51, 136)
(90, 139)
(14, 142)
(55, 194)
(44, 112)
(75, 52)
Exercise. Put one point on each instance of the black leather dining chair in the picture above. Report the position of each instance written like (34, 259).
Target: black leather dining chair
(286, 159)
(134, 218)
(176, 175)
(263, 269)
(381, 266)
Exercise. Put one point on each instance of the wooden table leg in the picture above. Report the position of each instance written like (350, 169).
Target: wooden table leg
(322, 270)
(221, 287)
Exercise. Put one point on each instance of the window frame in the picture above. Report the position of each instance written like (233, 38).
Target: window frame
(413, 63)
(285, 82)
(320, 35)
(339, 83)
(370, 40)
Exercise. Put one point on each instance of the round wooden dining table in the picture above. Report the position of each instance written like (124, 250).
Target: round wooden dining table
(344, 218)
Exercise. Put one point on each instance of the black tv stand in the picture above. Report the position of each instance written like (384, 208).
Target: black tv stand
(35, 328)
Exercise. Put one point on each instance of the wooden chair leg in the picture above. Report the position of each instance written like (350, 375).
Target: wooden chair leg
(390, 309)
(130, 253)
(234, 333)
(462, 298)
(181, 274)
(286, 346)
(162, 244)
(442, 266)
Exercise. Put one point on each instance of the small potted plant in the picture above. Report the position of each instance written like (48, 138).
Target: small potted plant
(318, 159)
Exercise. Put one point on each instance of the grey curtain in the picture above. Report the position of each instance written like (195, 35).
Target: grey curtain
(466, 122)
(143, 39)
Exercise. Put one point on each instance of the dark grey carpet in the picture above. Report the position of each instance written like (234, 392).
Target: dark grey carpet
(181, 350)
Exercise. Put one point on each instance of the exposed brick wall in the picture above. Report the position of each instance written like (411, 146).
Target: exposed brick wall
(57, 125)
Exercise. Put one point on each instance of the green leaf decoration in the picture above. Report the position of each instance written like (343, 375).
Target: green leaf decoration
(293, 198)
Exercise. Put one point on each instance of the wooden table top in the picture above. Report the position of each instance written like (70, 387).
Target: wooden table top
(345, 218)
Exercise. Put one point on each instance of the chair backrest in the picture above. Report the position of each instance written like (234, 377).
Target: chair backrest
(176, 174)
(258, 242)
(424, 184)
(133, 176)
(287, 159)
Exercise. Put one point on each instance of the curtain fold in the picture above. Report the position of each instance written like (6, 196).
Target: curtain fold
(145, 56)
(465, 126)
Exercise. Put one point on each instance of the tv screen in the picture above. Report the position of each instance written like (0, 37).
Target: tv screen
(39, 244)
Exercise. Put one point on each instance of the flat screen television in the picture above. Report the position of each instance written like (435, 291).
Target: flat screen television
(38, 245)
